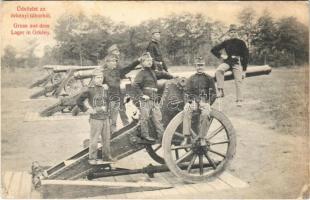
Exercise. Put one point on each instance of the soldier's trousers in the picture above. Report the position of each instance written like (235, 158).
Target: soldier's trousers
(204, 121)
(149, 110)
(99, 128)
(237, 72)
(118, 107)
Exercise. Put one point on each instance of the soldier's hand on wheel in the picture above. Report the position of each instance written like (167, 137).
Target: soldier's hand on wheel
(223, 56)
(91, 111)
(243, 74)
(145, 97)
(206, 107)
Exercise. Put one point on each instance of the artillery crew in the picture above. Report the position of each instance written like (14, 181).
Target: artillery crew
(112, 75)
(199, 92)
(97, 95)
(155, 52)
(237, 54)
(146, 84)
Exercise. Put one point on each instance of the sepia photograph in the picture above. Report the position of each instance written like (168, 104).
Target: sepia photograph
(155, 100)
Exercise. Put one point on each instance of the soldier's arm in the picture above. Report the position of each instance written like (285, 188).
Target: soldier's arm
(165, 66)
(81, 99)
(151, 49)
(128, 68)
(216, 49)
(163, 75)
(245, 56)
(212, 90)
(187, 91)
(138, 83)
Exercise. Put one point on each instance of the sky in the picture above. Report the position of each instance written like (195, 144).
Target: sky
(133, 13)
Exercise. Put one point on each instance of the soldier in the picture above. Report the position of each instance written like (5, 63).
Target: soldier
(237, 53)
(154, 49)
(146, 84)
(99, 121)
(113, 74)
(199, 92)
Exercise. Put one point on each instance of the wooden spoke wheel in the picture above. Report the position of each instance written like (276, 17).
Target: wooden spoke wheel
(155, 152)
(201, 158)
(73, 86)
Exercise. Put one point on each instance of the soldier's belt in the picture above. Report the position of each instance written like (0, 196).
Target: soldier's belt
(152, 89)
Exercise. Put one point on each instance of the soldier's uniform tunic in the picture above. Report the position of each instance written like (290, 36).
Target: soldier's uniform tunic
(154, 49)
(112, 77)
(99, 121)
(146, 84)
(238, 54)
(199, 90)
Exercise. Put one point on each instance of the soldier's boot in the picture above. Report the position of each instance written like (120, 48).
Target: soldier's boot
(147, 137)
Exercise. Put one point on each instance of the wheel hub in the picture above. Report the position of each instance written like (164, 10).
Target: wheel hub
(200, 146)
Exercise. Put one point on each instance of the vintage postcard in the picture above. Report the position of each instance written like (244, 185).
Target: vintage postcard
(155, 99)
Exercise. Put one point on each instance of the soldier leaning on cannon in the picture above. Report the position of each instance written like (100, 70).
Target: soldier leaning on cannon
(146, 84)
(97, 95)
(112, 75)
(237, 53)
(199, 92)
(154, 50)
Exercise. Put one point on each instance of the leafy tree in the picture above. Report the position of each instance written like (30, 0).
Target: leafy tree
(293, 40)
(8, 59)
(264, 38)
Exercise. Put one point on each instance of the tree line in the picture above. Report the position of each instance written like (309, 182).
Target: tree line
(83, 40)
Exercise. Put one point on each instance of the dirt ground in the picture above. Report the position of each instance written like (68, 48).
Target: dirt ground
(272, 133)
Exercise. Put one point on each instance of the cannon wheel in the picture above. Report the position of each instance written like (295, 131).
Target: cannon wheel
(152, 151)
(213, 153)
(73, 86)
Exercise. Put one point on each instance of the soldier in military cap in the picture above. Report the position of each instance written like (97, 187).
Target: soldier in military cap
(199, 92)
(114, 50)
(145, 84)
(236, 60)
(97, 95)
(113, 74)
(155, 52)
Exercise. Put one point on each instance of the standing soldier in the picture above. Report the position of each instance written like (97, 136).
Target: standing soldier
(235, 60)
(98, 119)
(146, 84)
(112, 75)
(199, 92)
(154, 50)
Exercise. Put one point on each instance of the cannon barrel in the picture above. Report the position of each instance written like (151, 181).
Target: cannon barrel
(65, 68)
(252, 71)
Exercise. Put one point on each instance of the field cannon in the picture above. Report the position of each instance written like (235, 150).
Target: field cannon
(61, 78)
(68, 104)
(203, 158)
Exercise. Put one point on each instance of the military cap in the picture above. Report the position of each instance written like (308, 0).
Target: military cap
(199, 60)
(232, 27)
(155, 30)
(112, 48)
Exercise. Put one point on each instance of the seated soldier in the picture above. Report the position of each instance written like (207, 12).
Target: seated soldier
(97, 95)
(145, 84)
(200, 93)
